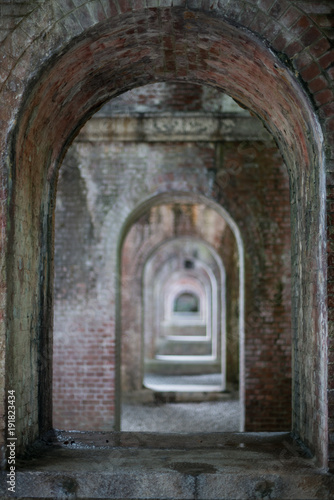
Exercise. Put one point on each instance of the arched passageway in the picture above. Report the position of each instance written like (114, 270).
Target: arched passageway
(50, 117)
(253, 184)
(178, 353)
(158, 270)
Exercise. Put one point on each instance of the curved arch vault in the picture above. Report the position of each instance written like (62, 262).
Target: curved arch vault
(114, 55)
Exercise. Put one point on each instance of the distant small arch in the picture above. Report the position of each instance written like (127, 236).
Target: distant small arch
(186, 302)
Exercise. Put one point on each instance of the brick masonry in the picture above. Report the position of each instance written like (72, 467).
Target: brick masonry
(60, 61)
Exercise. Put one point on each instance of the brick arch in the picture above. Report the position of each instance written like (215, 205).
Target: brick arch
(134, 268)
(106, 58)
(95, 72)
(162, 275)
(297, 31)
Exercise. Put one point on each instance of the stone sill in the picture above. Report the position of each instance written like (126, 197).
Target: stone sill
(169, 466)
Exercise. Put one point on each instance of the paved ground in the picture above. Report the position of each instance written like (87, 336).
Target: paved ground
(207, 416)
(216, 416)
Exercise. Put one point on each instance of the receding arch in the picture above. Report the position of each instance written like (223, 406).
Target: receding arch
(207, 280)
(183, 197)
(186, 301)
(204, 283)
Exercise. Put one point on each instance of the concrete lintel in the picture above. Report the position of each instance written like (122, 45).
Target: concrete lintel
(190, 127)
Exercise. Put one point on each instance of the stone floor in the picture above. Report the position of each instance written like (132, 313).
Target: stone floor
(234, 466)
(187, 403)
(218, 416)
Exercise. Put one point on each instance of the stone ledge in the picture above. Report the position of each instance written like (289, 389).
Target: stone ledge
(156, 466)
(167, 127)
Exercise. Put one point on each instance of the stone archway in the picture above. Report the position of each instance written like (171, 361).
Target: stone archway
(134, 273)
(97, 66)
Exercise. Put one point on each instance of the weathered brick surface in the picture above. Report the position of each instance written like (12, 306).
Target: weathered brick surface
(70, 87)
(267, 332)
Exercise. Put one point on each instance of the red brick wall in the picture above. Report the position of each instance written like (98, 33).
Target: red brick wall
(255, 191)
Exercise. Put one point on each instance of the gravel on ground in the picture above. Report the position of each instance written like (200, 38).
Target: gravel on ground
(216, 416)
